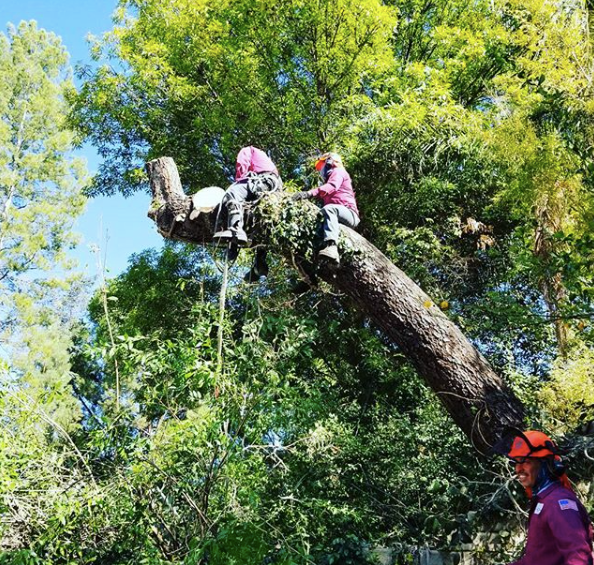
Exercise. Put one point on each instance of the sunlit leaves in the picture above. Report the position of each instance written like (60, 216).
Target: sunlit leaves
(568, 399)
(41, 184)
(448, 114)
(201, 79)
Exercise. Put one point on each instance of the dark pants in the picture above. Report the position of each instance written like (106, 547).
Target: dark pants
(247, 190)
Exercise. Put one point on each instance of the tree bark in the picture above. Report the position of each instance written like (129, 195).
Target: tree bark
(477, 399)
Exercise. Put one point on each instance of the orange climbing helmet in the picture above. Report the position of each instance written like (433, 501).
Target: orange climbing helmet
(531, 444)
(519, 446)
(330, 159)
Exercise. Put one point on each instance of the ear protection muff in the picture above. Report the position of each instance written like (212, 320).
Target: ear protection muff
(555, 464)
(325, 172)
(556, 467)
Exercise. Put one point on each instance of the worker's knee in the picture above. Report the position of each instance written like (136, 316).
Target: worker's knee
(237, 192)
(229, 197)
(233, 206)
(329, 212)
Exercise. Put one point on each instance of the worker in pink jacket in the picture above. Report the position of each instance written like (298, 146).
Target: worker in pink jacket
(255, 174)
(559, 528)
(338, 199)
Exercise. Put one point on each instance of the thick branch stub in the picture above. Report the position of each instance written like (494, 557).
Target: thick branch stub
(170, 207)
(165, 183)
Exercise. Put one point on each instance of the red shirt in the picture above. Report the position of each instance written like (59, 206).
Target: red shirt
(559, 530)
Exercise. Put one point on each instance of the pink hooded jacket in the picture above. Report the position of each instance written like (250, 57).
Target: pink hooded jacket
(337, 190)
(252, 159)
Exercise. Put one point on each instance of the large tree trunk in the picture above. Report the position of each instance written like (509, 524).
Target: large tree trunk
(476, 397)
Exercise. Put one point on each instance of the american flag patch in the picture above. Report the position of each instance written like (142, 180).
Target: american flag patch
(566, 504)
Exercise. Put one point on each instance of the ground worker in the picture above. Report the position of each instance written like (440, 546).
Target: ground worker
(339, 204)
(559, 529)
(255, 174)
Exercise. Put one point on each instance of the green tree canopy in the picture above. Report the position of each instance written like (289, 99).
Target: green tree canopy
(287, 79)
(467, 128)
(41, 196)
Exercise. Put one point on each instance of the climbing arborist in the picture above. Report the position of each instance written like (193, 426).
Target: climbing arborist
(255, 174)
(559, 528)
(339, 204)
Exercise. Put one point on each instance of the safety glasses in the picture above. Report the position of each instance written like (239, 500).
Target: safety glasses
(519, 460)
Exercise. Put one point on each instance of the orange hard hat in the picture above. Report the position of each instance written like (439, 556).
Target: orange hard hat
(333, 159)
(531, 444)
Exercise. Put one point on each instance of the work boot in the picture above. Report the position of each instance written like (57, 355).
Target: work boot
(223, 236)
(240, 235)
(330, 252)
(254, 274)
(259, 268)
(232, 251)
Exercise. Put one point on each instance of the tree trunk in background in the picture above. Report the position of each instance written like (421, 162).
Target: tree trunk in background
(589, 10)
(552, 215)
(476, 398)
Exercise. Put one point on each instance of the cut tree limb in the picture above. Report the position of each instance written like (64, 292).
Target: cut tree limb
(477, 398)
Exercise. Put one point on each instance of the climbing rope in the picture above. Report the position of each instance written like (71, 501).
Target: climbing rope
(222, 301)
(231, 254)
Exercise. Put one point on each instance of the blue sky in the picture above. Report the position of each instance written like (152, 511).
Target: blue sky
(117, 225)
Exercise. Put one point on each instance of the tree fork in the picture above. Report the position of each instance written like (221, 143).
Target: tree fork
(477, 399)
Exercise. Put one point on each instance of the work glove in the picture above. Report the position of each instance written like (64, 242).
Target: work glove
(300, 196)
